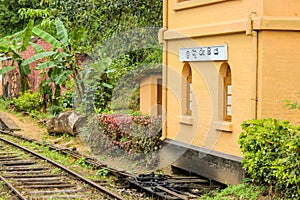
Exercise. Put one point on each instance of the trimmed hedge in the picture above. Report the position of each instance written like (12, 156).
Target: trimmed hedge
(271, 151)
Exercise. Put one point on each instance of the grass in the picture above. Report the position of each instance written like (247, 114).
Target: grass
(4, 193)
(243, 191)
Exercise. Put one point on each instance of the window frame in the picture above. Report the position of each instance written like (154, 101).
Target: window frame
(187, 89)
(189, 94)
(227, 93)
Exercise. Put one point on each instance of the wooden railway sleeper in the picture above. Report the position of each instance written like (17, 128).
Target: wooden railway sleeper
(42, 184)
(56, 191)
(58, 197)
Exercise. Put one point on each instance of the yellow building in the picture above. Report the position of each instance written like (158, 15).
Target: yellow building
(150, 91)
(225, 61)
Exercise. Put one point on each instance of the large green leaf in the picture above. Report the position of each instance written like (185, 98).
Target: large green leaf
(38, 57)
(61, 55)
(5, 70)
(62, 77)
(41, 66)
(37, 48)
(62, 32)
(27, 34)
(47, 37)
(3, 48)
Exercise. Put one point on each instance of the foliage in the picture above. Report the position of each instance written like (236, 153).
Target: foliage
(135, 136)
(241, 191)
(10, 21)
(90, 22)
(271, 151)
(4, 104)
(82, 162)
(95, 84)
(27, 102)
(126, 30)
(57, 66)
(139, 134)
(96, 21)
(103, 173)
(292, 105)
(10, 47)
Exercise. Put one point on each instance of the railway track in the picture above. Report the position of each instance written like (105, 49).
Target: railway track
(33, 176)
(157, 186)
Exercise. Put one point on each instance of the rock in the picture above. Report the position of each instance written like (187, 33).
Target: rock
(67, 122)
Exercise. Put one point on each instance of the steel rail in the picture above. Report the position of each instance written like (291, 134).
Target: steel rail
(93, 184)
(12, 188)
(131, 179)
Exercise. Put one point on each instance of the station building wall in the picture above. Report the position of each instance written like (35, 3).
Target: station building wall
(263, 43)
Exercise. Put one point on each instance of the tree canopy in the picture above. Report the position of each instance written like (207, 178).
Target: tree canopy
(90, 21)
(124, 30)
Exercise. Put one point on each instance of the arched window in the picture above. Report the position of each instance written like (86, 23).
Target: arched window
(187, 89)
(225, 73)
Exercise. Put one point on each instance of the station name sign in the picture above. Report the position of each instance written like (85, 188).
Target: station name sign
(205, 53)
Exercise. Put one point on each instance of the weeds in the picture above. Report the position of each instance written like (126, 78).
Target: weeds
(242, 191)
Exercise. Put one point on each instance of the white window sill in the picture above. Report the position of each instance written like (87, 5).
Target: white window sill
(224, 126)
(195, 3)
(186, 119)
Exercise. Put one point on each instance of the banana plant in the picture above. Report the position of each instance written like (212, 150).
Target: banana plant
(10, 46)
(57, 65)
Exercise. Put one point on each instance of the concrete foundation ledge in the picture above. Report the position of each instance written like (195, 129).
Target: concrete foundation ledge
(214, 165)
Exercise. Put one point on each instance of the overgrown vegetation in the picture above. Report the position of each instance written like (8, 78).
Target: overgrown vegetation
(132, 136)
(271, 151)
(242, 191)
(125, 30)
(27, 102)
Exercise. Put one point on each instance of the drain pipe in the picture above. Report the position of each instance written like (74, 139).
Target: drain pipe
(165, 68)
(254, 71)
(255, 41)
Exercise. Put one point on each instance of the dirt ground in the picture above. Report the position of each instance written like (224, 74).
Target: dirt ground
(29, 128)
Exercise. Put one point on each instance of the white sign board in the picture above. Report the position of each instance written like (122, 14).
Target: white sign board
(205, 53)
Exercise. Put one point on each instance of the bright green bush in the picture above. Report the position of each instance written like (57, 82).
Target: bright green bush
(4, 104)
(27, 102)
(271, 151)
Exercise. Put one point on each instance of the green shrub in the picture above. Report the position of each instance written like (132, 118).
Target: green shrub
(4, 104)
(27, 102)
(271, 151)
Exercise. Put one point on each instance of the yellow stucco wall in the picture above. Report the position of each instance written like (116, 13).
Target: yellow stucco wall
(279, 70)
(263, 41)
(148, 95)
